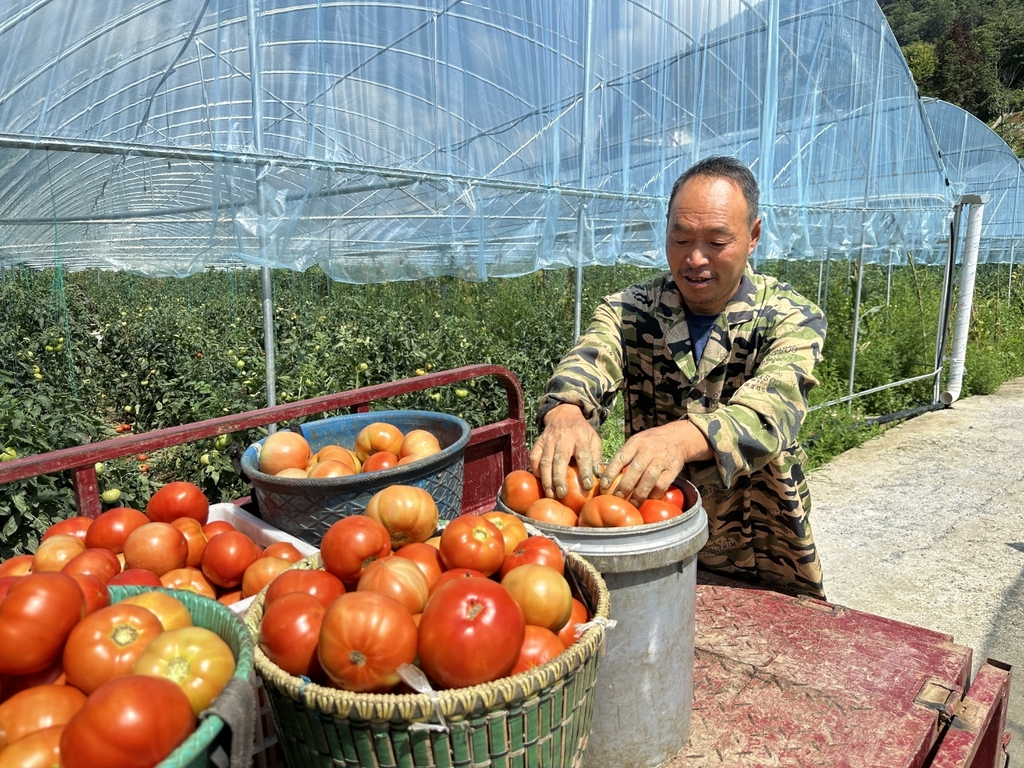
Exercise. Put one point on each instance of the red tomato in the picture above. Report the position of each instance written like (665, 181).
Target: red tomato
(536, 549)
(428, 559)
(551, 511)
(195, 658)
(211, 529)
(656, 510)
(284, 550)
(5, 584)
(132, 721)
(76, 526)
(261, 572)
(192, 530)
(156, 547)
(542, 593)
(351, 544)
(136, 576)
(323, 469)
(470, 541)
(322, 585)
(398, 577)
(419, 443)
(95, 591)
(674, 496)
(454, 574)
(227, 556)
(380, 460)
(178, 499)
(540, 645)
(609, 512)
(111, 529)
(407, 511)
(376, 437)
(12, 684)
(567, 634)
(56, 552)
(34, 709)
(98, 561)
(470, 633)
(39, 749)
(290, 631)
(519, 490)
(512, 529)
(106, 644)
(172, 613)
(576, 496)
(188, 580)
(36, 618)
(229, 598)
(364, 638)
(18, 565)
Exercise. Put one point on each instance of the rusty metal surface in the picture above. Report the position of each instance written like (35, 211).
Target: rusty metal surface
(785, 681)
(494, 449)
(975, 738)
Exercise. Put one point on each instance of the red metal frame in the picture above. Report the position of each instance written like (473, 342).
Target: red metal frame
(493, 451)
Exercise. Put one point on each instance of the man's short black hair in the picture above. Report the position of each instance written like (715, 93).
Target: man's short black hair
(721, 167)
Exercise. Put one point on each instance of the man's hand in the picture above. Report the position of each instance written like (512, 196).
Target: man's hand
(566, 435)
(653, 459)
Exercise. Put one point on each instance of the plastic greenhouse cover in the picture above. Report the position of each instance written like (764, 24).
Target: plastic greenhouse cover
(393, 141)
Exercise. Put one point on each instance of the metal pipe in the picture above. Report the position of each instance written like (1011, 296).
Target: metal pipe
(946, 302)
(968, 270)
(856, 318)
(873, 390)
(581, 224)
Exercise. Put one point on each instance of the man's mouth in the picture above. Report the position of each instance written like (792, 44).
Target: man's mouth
(697, 279)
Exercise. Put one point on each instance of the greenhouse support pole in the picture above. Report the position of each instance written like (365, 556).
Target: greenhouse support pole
(581, 224)
(856, 319)
(968, 270)
(946, 302)
(256, 84)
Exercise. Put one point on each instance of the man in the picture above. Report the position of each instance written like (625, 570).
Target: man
(715, 362)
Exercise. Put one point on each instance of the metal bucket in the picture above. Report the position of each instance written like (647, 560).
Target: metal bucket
(644, 691)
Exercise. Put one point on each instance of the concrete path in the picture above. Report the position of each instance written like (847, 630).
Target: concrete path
(925, 524)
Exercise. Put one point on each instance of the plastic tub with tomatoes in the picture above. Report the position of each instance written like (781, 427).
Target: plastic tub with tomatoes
(237, 700)
(543, 715)
(306, 508)
(647, 678)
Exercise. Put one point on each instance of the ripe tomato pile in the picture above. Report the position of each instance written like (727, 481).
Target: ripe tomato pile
(85, 684)
(378, 446)
(481, 601)
(522, 492)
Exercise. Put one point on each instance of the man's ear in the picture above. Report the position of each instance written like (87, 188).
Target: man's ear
(755, 235)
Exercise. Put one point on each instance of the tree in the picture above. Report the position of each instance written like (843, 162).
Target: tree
(922, 62)
(963, 76)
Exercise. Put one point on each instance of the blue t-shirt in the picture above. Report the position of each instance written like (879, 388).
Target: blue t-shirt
(700, 331)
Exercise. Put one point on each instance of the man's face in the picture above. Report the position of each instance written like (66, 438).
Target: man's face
(708, 242)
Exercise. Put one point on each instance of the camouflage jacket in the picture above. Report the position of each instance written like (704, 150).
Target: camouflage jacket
(748, 396)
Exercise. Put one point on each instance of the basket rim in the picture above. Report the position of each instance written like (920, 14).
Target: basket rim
(454, 703)
(355, 482)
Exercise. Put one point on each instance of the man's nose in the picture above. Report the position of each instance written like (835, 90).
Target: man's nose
(696, 256)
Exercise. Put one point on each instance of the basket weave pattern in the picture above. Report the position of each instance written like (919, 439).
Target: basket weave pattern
(536, 719)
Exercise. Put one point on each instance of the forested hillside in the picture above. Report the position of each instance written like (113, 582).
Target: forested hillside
(969, 53)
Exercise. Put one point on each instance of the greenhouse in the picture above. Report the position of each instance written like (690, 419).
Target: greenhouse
(478, 139)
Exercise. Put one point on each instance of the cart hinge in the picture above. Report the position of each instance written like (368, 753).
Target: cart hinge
(940, 696)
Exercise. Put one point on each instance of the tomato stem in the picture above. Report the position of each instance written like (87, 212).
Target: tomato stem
(177, 669)
(357, 658)
(474, 610)
(124, 634)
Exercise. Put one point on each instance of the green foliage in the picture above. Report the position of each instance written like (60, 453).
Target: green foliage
(82, 353)
(922, 61)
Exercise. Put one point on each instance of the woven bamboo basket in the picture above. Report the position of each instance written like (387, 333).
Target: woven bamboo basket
(209, 614)
(536, 719)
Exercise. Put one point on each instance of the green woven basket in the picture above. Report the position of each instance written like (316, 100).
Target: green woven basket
(536, 719)
(209, 614)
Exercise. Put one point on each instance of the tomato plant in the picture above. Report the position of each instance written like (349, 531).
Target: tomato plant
(290, 631)
(398, 577)
(471, 541)
(364, 638)
(351, 544)
(322, 585)
(178, 499)
(226, 557)
(542, 593)
(105, 644)
(470, 633)
(36, 617)
(540, 645)
(407, 511)
(519, 490)
(132, 721)
(195, 658)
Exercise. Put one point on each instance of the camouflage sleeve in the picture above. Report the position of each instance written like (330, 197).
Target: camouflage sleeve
(764, 415)
(589, 376)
